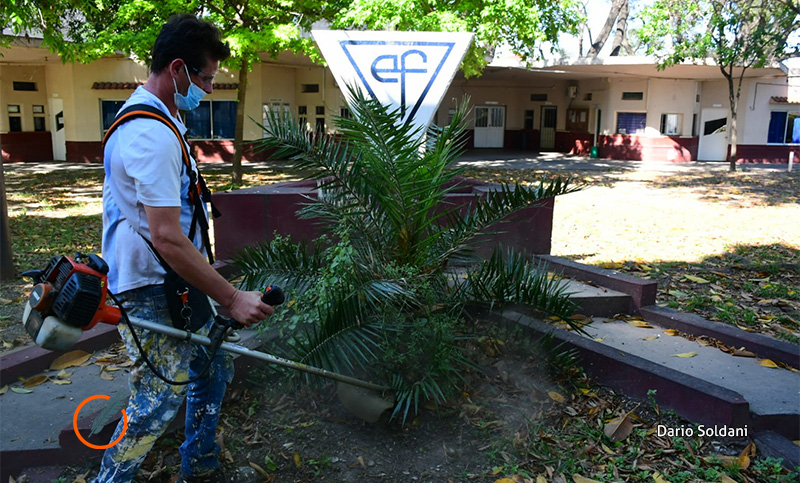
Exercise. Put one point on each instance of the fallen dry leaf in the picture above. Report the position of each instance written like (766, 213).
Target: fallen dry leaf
(767, 363)
(541, 479)
(35, 381)
(556, 396)
(657, 478)
(70, 359)
(618, 429)
(652, 337)
(583, 479)
(671, 332)
(20, 390)
(259, 469)
(741, 353)
(297, 460)
(686, 354)
(62, 382)
(727, 479)
(695, 279)
(3, 390)
(640, 323)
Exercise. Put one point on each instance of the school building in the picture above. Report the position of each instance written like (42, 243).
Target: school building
(624, 107)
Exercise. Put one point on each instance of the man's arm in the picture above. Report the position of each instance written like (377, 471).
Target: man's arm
(176, 249)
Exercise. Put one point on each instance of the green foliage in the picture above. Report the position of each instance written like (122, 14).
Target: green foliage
(749, 33)
(382, 295)
(526, 26)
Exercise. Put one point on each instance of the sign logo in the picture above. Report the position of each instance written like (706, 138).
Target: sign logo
(394, 68)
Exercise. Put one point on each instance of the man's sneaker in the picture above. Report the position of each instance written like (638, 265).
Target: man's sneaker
(216, 476)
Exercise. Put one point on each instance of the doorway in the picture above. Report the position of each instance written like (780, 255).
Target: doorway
(548, 135)
(713, 144)
(489, 126)
(57, 132)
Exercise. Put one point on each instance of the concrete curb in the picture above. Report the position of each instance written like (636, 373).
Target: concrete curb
(33, 359)
(771, 444)
(689, 396)
(642, 292)
(762, 345)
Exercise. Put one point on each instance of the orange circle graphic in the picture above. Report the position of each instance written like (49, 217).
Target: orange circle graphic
(78, 434)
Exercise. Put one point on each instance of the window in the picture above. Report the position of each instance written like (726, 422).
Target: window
(671, 124)
(211, 120)
(344, 112)
(784, 127)
(14, 124)
(527, 121)
(538, 97)
(38, 123)
(631, 122)
(307, 88)
(38, 109)
(24, 86)
(13, 109)
(108, 111)
(320, 110)
(632, 96)
(694, 124)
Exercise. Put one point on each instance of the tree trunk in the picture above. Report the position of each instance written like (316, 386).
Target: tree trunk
(597, 46)
(733, 98)
(620, 37)
(238, 142)
(7, 270)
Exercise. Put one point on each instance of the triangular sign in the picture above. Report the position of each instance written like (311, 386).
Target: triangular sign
(396, 68)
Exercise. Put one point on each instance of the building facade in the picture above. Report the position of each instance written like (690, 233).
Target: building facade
(621, 107)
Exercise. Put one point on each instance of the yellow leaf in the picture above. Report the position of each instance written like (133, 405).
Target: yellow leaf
(582, 479)
(727, 479)
(3, 390)
(541, 479)
(695, 279)
(505, 480)
(106, 376)
(34, 381)
(742, 353)
(671, 332)
(797, 442)
(607, 449)
(556, 396)
(62, 382)
(618, 429)
(652, 337)
(600, 339)
(767, 363)
(610, 265)
(686, 354)
(297, 461)
(657, 478)
(259, 469)
(70, 359)
(640, 323)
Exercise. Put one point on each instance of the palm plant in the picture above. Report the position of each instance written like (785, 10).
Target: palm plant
(383, 295)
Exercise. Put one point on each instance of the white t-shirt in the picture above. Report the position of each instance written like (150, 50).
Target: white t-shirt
(143, 166)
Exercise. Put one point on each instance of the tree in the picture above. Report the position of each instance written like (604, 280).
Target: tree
(52, 22)
(383, 295)
(7, 270)
(250, 28)
(737, 35)
(618, 13)
(525, 25)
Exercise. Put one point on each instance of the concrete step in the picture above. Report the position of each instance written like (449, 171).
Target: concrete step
(596, 301)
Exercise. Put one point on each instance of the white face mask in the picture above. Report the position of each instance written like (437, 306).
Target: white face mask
(193, 96)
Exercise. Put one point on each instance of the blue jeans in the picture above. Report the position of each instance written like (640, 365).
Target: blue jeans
(154, 403)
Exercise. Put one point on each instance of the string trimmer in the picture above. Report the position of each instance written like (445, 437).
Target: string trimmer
(69, 297)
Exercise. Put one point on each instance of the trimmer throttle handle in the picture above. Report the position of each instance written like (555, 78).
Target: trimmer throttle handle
(273, 295)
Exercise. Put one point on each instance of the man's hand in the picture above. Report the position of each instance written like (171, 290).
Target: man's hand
(248, 309)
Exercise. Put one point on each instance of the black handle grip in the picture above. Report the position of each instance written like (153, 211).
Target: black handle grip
(273, 295)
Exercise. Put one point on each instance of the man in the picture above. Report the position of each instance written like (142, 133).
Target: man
(146, 196)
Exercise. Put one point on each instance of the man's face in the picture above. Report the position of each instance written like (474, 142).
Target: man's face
(204, 76)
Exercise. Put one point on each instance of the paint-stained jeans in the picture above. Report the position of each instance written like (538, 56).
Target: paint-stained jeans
(153, 403)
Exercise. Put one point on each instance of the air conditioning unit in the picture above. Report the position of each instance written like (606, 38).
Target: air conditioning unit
(572, 92)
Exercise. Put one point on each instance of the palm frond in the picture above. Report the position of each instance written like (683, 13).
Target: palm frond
(515, 278)
(280, 262)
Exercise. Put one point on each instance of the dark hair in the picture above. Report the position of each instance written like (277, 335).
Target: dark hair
(186, 37)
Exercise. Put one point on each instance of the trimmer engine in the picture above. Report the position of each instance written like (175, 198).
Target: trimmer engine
(68, 297)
